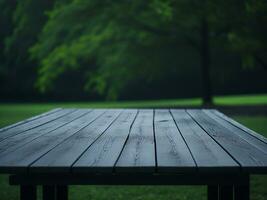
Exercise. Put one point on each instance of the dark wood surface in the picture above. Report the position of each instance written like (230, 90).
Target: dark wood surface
(173, 155)
(138, 153)
(250, 157)
(123, 141)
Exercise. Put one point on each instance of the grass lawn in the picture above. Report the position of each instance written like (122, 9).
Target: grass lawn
(10, 113)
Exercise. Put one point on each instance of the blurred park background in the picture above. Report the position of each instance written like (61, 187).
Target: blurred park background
(142, 53)
(75, 50)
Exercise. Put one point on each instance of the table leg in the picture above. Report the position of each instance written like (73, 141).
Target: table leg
(49, 192)
(226, 192)
(212, 192)
(241, 192)
(62, 192)
(28, 192)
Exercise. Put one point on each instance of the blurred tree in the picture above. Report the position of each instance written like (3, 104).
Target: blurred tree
(28, 18)
(113, 42)
(248, 36)
(6, 7)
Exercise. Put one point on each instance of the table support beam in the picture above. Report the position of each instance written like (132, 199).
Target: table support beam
(212, 192)
(28, 192)
(226, 192)
(49, 192)
(126, 179)
(242, 192)
(52, 192)
(62, 192)
(220, 187)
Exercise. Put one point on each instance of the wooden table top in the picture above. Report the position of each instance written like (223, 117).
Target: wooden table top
(131, 141)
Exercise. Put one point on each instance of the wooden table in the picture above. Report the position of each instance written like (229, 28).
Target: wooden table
(131, 147)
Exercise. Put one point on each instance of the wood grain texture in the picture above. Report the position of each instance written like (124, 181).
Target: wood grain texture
(23, 157)
(138, 154)
(30, 119)
(250, 158)
(131, 141)
(240, 126)
(32, 124)
(244, 135)
(12, 143)
(172, 152)
(104, 152)
(61, 158)
(208, 155)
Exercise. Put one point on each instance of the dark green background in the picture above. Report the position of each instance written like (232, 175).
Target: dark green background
(95, 50)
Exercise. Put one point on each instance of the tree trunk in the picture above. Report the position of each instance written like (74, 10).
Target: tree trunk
(205, 64)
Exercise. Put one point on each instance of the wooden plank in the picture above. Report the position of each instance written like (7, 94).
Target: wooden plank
(32, 124)
(61, 158)
(30, 119)
(19, 160)
(12, 143)
(173, 154)
(249, 138)
(138, 154)
(250, 158)
(240, 126)
(103, 153)
(208, 155)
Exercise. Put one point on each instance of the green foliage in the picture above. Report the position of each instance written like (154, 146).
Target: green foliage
(96, 37)
(114, 44)
(6, 8)
(248, 35)
(26, 19)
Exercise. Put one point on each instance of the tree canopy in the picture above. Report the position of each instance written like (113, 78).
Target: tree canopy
(112, 44)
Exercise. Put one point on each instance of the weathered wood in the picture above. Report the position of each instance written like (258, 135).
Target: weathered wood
(173, 154)
(32, 124)
(103, 153)
(12, 143)
(29, 119)
(131, 147)
(61, 158)
(20, 159)
(206, 152)
(147, 141)
(248, 156)
(138, 154)
(235, 123)
(242, 134)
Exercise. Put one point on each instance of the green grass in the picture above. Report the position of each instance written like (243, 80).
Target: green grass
(258, 99)
(10, 113)
(241, 100)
